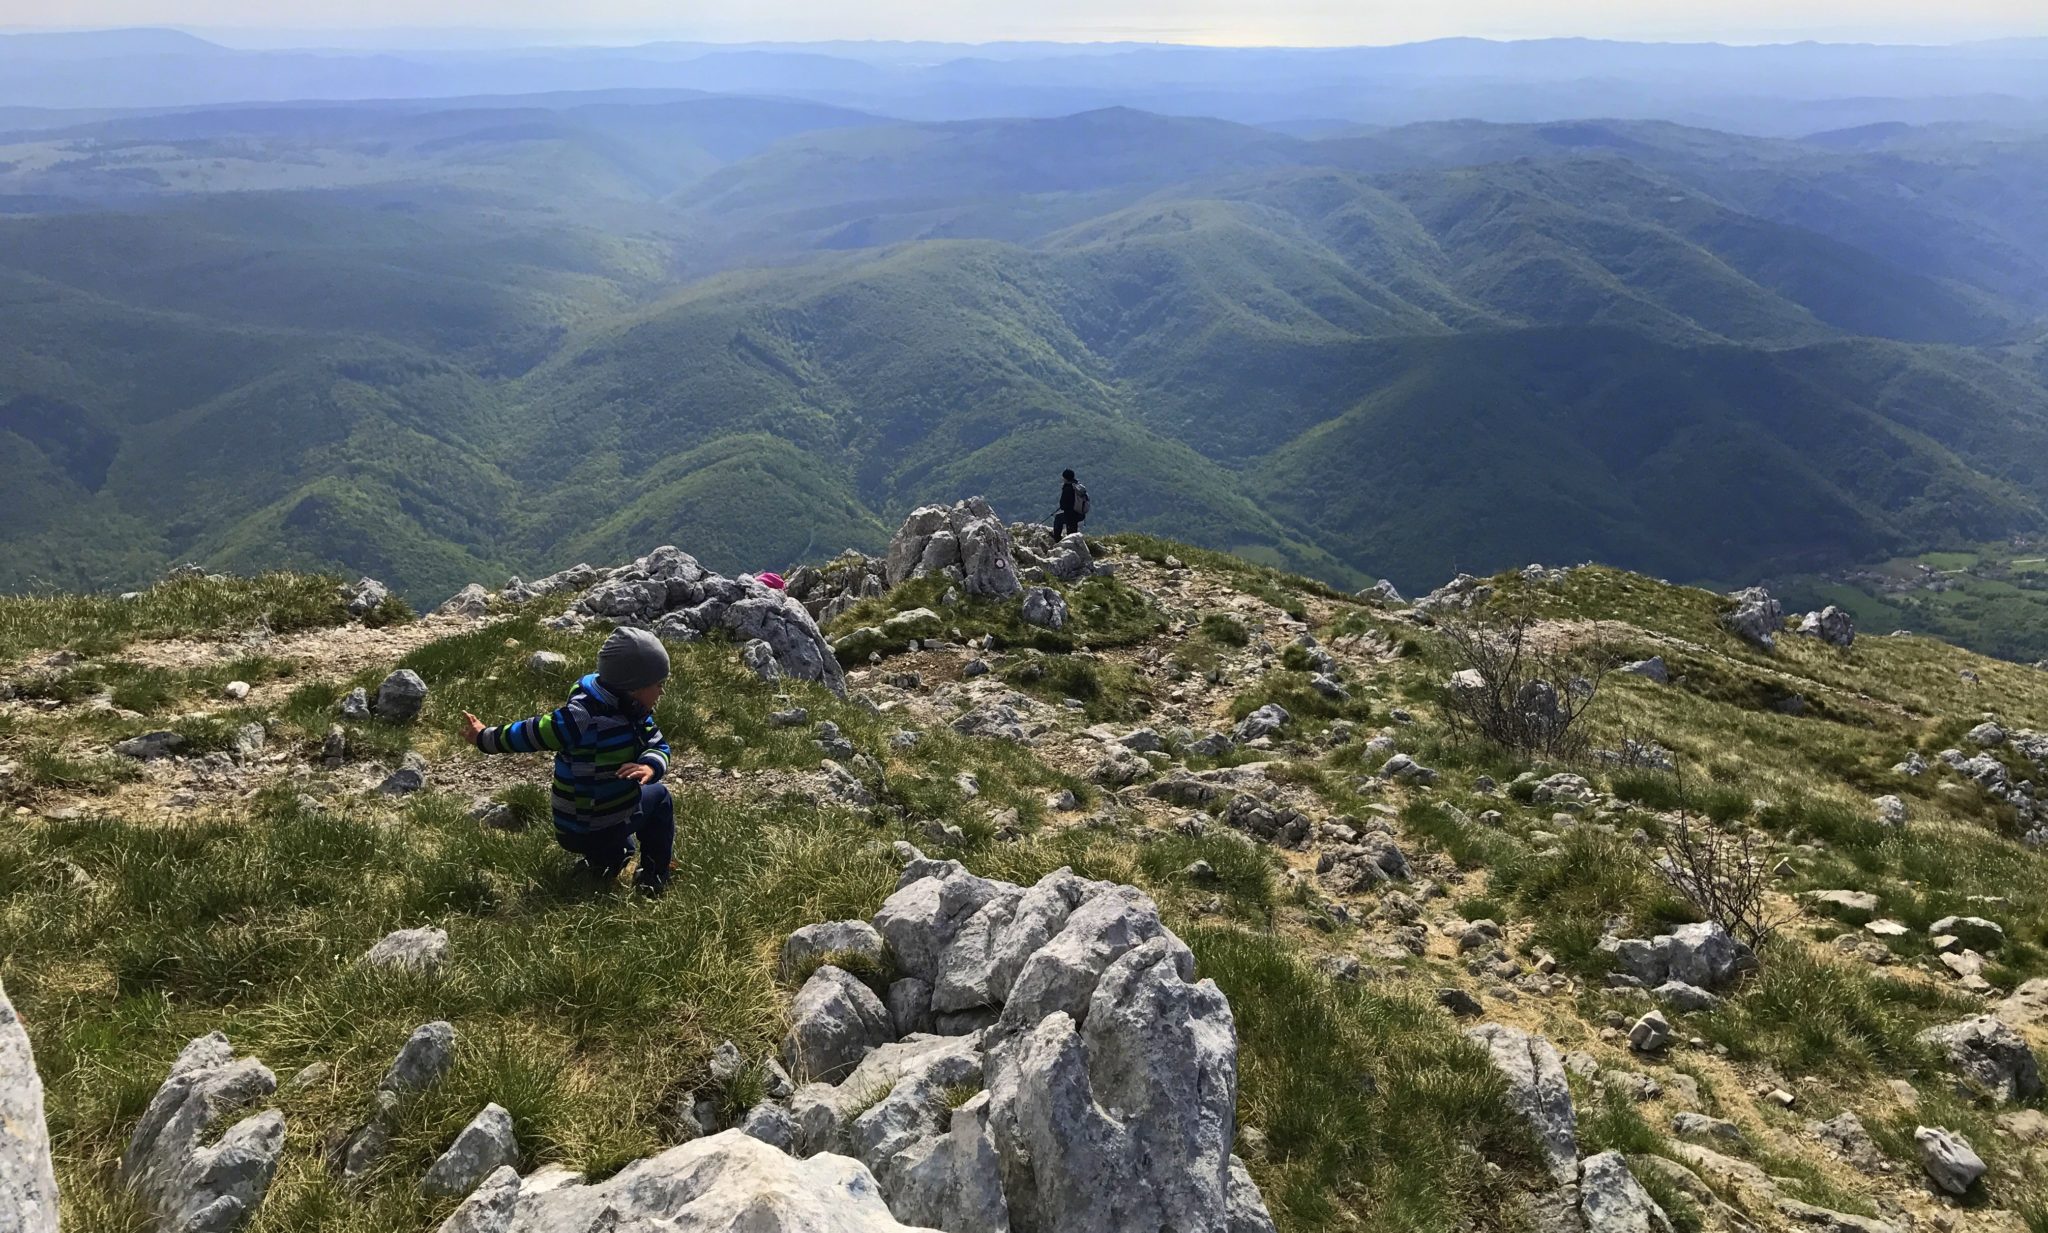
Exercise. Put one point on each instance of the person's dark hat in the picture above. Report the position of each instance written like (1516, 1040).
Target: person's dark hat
(1067, 474)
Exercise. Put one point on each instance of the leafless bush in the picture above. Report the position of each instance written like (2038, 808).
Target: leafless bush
(1726, 877)
(1519, 692)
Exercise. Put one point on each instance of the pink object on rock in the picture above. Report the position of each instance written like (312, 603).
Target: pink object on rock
(772, 580)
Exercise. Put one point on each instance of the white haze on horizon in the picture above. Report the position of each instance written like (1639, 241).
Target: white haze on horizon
(1297, 23)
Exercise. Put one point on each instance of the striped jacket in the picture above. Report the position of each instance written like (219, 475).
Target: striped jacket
(592, 735)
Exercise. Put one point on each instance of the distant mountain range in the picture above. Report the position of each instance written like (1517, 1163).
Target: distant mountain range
(444, 342)
(1779, 90)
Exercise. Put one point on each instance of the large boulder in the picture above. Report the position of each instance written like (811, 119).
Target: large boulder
(1127, 1120)
(400, 697)
(1539, 1092)
(799, 647)
(725, 1183)
(1108, 1072)
(835, 1023)
(1988, 1055)
(1756, 618)
(194, 1180)
(966, 542)
(28, 1182)
(919, 920)
(670, 592)
(1831, 625)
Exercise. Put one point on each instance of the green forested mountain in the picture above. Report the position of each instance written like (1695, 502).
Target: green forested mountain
(437, 344)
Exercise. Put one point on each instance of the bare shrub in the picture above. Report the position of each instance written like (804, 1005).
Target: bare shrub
(1726, 877)
(1518, 692)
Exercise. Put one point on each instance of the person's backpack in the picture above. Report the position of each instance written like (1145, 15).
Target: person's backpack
(1081, 502)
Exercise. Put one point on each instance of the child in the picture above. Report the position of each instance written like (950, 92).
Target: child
(609, 760)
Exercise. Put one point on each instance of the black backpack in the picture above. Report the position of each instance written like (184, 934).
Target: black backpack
(1081, 501)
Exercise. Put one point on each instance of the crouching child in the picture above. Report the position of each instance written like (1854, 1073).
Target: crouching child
(610, 758)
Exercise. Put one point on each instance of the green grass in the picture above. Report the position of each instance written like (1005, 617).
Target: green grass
(97, 625)
(1102, 612)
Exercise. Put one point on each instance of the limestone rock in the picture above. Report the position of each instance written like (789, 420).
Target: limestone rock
(364, 597)
(420, 950)
(724, 1183)
(1948, 1158)
(484, 1146)
(1538, 1091)
(150, 746)
(28, 1181)
(1612, 1201)
(1756, 617)
(1125, 1121)
(471, 602)
(1989, 1055)
(1831, 625)
(1265, 721)
(828, 940)
(216, 1187)
(835, 1022)
(426, 1056)
(1045, 608)
(400, 697)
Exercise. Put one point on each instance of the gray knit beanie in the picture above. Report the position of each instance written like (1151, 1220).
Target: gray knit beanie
(631, 659)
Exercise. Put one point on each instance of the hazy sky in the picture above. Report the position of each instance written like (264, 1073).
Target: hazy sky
(1292, 22)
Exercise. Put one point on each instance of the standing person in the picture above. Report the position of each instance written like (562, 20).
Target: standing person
(609, 761)
(1073, 506)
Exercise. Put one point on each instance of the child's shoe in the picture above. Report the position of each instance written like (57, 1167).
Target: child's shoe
(651, 882)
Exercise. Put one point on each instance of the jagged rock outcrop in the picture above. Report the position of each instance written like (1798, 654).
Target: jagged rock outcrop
(966, 542)
(1109, 1072)
(670, 592)
(1756, 618)
(1703, 955)
(28, 1181)
(725, 1183)
(1831, 625)
(193, 1181)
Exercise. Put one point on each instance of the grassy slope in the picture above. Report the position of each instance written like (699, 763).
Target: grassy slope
(583, 1012)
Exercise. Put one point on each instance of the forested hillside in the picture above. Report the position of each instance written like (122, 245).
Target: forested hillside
(439, 343)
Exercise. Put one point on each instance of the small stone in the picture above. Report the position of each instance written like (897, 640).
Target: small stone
(235, 691)
(1651, 1034)
(409, 778)
(427, 1056)
(1951, 1163)
(1702, 1126)
(485, 1145)
(1459, 1003)
(400, 697)
(418, 950)
(547, 663)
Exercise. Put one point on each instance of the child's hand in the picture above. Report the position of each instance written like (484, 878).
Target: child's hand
(638, 772)
(472, 727)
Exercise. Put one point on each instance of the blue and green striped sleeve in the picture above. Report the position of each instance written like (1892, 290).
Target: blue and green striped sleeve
(654, 746)
(552, 732)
